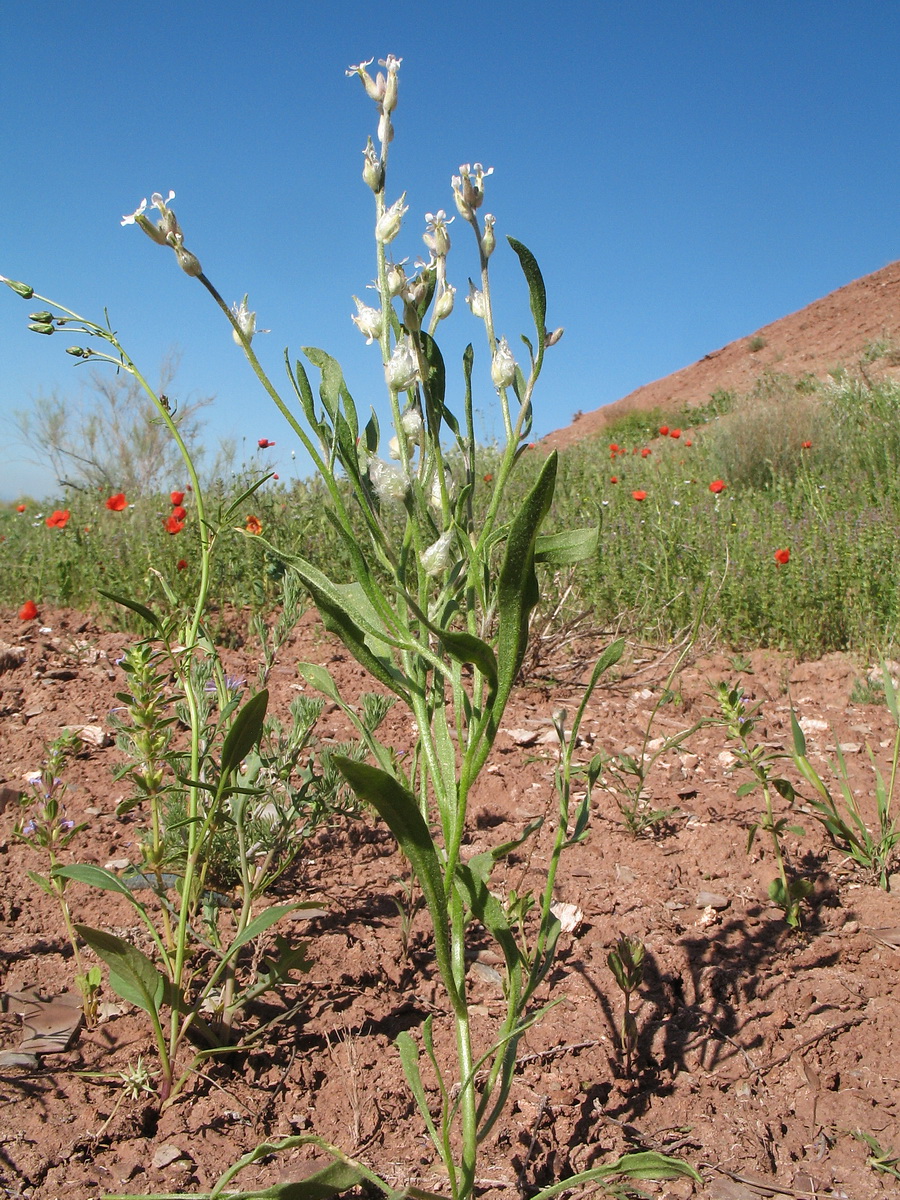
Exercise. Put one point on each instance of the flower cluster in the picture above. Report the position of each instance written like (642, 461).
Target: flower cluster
(166, 231)
(174, 523)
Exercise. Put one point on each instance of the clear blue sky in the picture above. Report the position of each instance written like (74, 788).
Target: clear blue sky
(684, 170)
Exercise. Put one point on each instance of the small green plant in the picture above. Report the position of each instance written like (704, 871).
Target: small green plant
(626, 961)
(739, 718)
(847, 828)
(741, 663)
(756, 343)
(867, 691)
(885, 1162)
(48, 828)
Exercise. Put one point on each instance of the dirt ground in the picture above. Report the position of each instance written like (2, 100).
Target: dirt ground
(760, 1051)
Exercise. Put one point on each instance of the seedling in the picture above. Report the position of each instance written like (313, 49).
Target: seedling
(626, 961)
(739, 717)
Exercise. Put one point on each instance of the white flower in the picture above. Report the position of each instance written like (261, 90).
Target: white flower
(488, 241)
(475, 300)
(468, 188)
(131, 218)
(388, 225)
(436, 237)
(367, 320)
(503, 365)
(435, 501)
(247, 321)
(358, 68)
(437, 557)
(403, 370)
(390, 484)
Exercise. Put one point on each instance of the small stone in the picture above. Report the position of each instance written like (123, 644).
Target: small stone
(166, 1155)
(726, 760)
(850, 927)
(711, 900)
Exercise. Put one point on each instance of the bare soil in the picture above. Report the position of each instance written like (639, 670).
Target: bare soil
(760, 1050)
(835, 331)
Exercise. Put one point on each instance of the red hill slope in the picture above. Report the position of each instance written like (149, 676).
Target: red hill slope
(830, 332)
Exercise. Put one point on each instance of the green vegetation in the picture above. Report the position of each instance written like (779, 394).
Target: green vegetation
(811, 474)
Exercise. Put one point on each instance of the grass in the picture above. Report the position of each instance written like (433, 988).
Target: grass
(814, 474)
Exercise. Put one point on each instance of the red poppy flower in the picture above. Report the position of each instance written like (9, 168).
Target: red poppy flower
(254, 524)
(663, 430)
(689, 442)
(613, 479)
(488, 477)
(117, 503)
(181, 565)
(179, 513)
(613, 448)
(58, 519)
(275, 476)
(782, 557)
(646, 451)
(28, 611)
(264, 443)
(176, 498)
(717, 486)
(806, 445)
(675, 433)
(639, 495)
(20, 508)
(173, 525)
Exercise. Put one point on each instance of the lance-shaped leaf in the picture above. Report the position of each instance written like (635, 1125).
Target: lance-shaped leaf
(141, 609)
(571, 546)
(131, 974)
(536, 290)
(332, 389)
(341, 617)
(245, 732)
(400, 811)
(517, 586)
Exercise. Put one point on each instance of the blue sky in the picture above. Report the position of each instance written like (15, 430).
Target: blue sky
(684, 171)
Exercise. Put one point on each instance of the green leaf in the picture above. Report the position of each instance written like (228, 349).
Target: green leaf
(409, 1059)
(332, 382)
(572, 546)
(645, 1164)
(799, 739)
(537, 291)
(399, 809)
(93, 876)
(245, 732)
(141, 609)
(131, 974)
(259, 925)
(517, 586)
(321, 679)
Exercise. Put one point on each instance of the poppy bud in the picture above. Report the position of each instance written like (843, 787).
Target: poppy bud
(77, 351)
(42, 327)
(21, 289)
(42, 317)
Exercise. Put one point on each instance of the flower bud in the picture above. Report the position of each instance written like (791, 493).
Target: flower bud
(488, 241)
(390, 484)
(367, 320)
(389, 96)
(42, 327)
(396, 278)
(475, 300)
(444, 305)
(373, 172)
(77, 351)
(21, 289)
(550, 339)
(437, 557)
(388, 225)
(402, 371)
(503, 365)
(42, 317)
(385, 129)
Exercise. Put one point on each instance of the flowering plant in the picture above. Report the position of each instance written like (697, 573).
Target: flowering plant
(438, 615)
